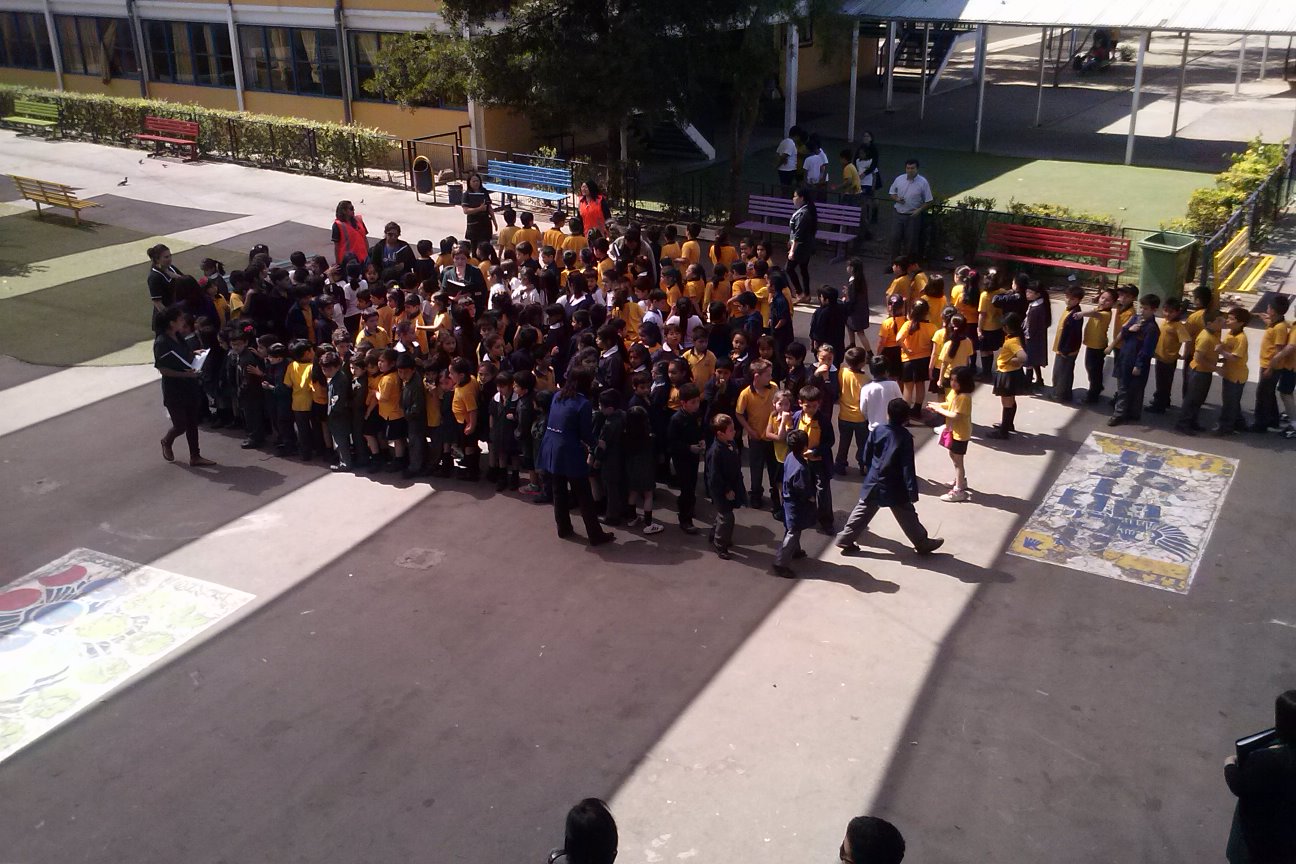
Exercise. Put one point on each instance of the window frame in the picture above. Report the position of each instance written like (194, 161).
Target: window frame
(171, 55)
(44, 51)
(123, 45)
(258, 36)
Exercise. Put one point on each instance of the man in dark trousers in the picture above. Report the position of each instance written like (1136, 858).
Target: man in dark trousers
(889, 481)
(724, 482)
(1264, 781)
(685, 445)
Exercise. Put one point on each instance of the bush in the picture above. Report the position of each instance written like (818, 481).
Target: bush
(327, 149)
(1062, 217)
(962, 223)
(1210, 207)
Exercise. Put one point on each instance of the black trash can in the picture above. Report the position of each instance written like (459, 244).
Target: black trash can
(422, 175)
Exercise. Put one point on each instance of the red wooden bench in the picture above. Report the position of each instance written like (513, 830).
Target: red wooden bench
(1108, 254)
(164, 130)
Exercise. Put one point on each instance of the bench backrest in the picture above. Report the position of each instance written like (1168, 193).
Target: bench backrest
(168, 126)
(533, 175)
(1233, 252)
(783, 208)
(36, 110)
(1057, 241)
(54, 193)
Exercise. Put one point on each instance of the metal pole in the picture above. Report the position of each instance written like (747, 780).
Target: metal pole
(1183, 75)
(237, 51)
(790, 77)
(1138, 88)
(339, 23)
(854, 81)
(137, 45)
(982, 29)
(1039, 88)
(54, 45)
(1237, 82)
(1264, 58)
(922, 90)
(890, 69)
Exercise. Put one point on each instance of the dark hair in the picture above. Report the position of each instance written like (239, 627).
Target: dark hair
(1152, 300)
(578, 383)
(1012, 324)
(898, 410)
(168, 316)
(809, 393)
(911, 161)
(1279, 303)
(155, 252)
(593, 187)
(689, 391)
(342, 207)
(875, 841)
(963, 379)
(798, 440)
(878, 367)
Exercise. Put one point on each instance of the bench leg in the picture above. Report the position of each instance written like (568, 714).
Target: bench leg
(78, 215)
(39, 215)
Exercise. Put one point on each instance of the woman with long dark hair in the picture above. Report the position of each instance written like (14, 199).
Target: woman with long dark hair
(857, 306)
(182, 393)
(477, 207)
(593, 208)
(564, 455)
(350, 237)
(801, 237)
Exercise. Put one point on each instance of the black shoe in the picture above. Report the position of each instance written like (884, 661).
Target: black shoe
(757, 500)
(688, 528)
(374, 467)
(542, 499)
(800, 553)
(723, 554)
(999, 432)
(1115, 421)
(249, 444)
(847, 547)
(930, 546)
(564, 533)
(601, 538)
(1155, 409)
(784, 572)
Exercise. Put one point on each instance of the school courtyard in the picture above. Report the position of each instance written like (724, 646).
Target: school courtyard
(263, 661)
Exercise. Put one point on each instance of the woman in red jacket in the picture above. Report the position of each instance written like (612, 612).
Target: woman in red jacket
(593, 208)
(349, 234)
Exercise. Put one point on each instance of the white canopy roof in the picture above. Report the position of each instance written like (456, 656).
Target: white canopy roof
(1276, 17)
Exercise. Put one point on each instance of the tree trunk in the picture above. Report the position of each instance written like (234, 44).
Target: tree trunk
(742, 122)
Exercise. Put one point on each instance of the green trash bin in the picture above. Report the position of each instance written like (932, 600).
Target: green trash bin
(1166, 256)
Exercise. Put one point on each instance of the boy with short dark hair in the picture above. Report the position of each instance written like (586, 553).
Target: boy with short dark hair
(798, 491)
(1205, 359)
(1233, 351)
(608, 459)
(338, 408)
(724, 482)
(684, 443)
(1095, 341)
(414, 408)
(1139, 339)
(1067, 342)
(1171, 344)
(755, 402)
(816, 422)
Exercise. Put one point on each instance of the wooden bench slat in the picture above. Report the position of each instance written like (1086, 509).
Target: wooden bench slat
(1019, 240)
(1052, 262)
(54, 194)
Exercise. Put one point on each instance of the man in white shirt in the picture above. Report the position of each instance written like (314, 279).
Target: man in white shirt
(911, 193)
(875, 395)
(787, 158)
(816, 169)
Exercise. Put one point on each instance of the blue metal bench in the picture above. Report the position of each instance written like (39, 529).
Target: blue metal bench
(508, 178)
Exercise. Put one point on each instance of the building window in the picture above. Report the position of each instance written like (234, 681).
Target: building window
(364, 58)
(189, 53)
(290, 60)
(24, 41)
(86, 42)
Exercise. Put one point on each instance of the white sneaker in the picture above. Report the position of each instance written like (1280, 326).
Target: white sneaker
(955, 495)
(654, 528)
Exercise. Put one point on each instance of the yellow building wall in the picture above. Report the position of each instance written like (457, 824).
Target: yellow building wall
(393, 120)
(207, 97)
(127, 88)
(509, 131)
(816, 68)
(29, 78)
(285, 105)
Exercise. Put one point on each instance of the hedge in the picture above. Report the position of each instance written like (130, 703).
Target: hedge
(327, 149)
(1210, 207)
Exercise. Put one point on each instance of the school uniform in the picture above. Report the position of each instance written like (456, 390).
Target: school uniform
(755, 406)
(465, 401)
(1095, 342)
(723, 478)
(611, 371)
(1202, 366)
(339, 418)
(1165, 361)
(889, 346)
(1139, 341)
(504, 445)
(818, 458)
(297, 377)
(1267, 415)
(1067, 342)
(1009, 379)
(890, 481)
(610, 463)
(850, 420)
(250, 396)
(359, 390)
(1035, 333)
(915, 340)
(568, 437)
(828, 327)
(684, 432)
(414, 407)
(798, 498)
(1233, 375)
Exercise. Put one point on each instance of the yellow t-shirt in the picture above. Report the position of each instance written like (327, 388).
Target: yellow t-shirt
(1095, 331)
(915, 340)
(506, 237)
(952, 358)
(810, 426)
(298, 377)
(465, 400)
(960, 425)
(222, 309)
(1205, 352)
(850, 179)
(389, 397)
(631, 313)
(887, 331)
(971, 314)
(554, 237)
(694, 289)
(386, 316)
(1274, 339)
(670, 252)
(235, 304)
(574, 242)
(433, 407)
(725, 255)
(771, 429)
(446, 259)
(530, 234)
(691, 252)
(672, 293)
(1235, 368)
(849, 385)
(703, 365)
(1122, 318)
(1007, 360)
(1290, 362)
(760, 288)
(755, 406)
(991, 318)
(1170, 343)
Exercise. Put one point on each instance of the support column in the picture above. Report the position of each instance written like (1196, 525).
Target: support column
(344, 52)
(1264, 58)
(237, 51)
(791, 61)
(1144, 37)
(137, 45)
(1237, 82)
(54, 45)
(890, 68)
(1039, 87)
(982, 30)
(922, 87)
(854, 82)
(1183, 76)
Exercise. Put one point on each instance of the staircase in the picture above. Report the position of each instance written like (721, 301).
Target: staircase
(672, 138)
(909, 54)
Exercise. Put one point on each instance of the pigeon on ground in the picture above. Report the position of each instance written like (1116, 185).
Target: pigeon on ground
(124, 181)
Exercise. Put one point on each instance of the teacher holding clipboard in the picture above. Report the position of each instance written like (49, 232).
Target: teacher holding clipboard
(477, 207)
(182, 393)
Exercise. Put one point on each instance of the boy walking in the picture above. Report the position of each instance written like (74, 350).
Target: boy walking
(798, 503)
(724, 482)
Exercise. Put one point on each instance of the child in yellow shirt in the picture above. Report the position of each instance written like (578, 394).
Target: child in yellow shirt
(1233, 351)
(957, 411)
(1009, 377)
(1274, 364)
(851, 424)
(1205, 359)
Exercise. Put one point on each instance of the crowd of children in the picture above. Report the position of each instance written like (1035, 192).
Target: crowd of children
(417, 363)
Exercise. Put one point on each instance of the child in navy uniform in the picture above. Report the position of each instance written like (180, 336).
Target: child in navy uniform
(504, 445)
(798, 493)
(724, 482)
(608, 458)
(684, 442)
(338, 410)
(414, 405)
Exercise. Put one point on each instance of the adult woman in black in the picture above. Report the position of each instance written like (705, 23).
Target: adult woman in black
(461, 280)
(477, 207)
(160, 279)
(857, 305)
(182, 393)
(801, 230)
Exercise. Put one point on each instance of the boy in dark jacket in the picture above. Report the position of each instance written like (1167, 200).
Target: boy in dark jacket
(798, 503)
(338, 410)
(684, 443)
(608, 459)
(828, 324)
(724, 482)
(414, 405)
(249, 372)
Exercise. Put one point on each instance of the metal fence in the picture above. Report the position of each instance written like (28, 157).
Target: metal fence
(1259, 212)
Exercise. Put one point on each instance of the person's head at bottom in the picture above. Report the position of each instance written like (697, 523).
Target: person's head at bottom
(871, 840)
(1285, 717)
(591, 836)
